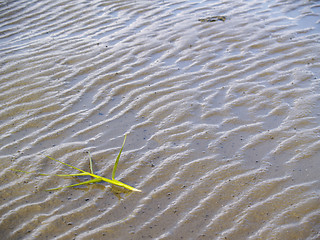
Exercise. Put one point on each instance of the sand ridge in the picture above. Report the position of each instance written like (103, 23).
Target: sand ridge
(222, 118)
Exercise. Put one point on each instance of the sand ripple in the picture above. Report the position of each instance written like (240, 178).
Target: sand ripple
(222, 118)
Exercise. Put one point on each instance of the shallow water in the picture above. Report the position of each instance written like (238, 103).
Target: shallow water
(222, 118)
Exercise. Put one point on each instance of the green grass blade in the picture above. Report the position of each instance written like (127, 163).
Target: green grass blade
(102, 178)
(117, 160)
(73, 185)
(118, 183)
(90, 161)
(17, 170)
(41, 174)
(67, 164)
(70, 175)
(121, 184)
(58, 175)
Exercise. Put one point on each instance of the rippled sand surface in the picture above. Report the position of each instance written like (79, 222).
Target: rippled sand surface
(222, 119)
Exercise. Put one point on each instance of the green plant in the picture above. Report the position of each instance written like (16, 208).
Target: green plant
(91, 174)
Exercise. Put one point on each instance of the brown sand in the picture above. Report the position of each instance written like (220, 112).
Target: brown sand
(222, 118)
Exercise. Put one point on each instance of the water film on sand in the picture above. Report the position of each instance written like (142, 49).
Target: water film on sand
(222, 118)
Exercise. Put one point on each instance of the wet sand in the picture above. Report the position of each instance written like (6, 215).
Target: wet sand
(222, 119)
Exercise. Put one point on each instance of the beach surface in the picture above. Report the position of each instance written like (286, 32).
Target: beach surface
(220, 102)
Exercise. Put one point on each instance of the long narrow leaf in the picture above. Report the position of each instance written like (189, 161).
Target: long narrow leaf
(78, 184)
(17, 170)
(67, 164)
(58, 175)
(117, 160)
(121, 184)
(90, 161)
